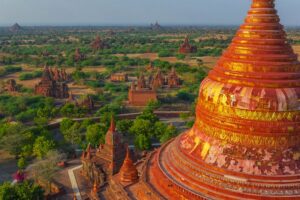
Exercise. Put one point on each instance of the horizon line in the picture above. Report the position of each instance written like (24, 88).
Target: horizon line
(119, 25)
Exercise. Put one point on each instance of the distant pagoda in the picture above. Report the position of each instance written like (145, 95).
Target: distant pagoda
(155, 26)
(15, 28)
(186, 47)
(245, 143)
(99, 44)
(78, 56)
(53, 84)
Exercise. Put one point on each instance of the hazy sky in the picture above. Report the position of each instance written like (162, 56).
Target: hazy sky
(101, 12)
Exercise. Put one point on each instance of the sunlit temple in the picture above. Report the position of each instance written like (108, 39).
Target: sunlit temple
(245, 140)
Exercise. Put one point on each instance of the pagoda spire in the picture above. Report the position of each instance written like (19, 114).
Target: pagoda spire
(259, 54)
(88, 152)
(95, 187)
(112, 127)
(46, 73)
(128, 171)
(112, 137)
(246, 132)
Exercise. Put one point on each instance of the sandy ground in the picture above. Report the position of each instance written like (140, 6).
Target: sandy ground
(297, 50)
(80, 89)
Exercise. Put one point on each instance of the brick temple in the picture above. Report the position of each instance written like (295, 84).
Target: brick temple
(106, 160)
(78, 56)
(52, 85)
(119, 77)
(186, 47)
(159, 80)
(99, 44)
(141, 94)
(11, 86)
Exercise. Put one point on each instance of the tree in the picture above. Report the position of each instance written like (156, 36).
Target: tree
(22, 163)
(142, 142)
(42, 146)
(153, 105)
(43, 170)
(73, 134)
(148, 114)
(106, 117)
(169, 133)
(26, 190)
(142, 127)
(159, 128)
(70, 110)
(7, 192)
(14, 138)
(185, 96)
(65, 124)
(95, 134)
(41, 121)
(124, 125)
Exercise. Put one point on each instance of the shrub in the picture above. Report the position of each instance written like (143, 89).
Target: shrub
(30, 75)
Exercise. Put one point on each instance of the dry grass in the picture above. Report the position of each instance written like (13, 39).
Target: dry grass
(297, 50)
(80, 89)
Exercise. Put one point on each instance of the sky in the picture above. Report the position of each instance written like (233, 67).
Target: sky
(136, 12)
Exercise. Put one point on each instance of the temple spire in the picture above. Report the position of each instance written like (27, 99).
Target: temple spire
(46, 73)
(112, 127)
(128, 171)
(95, 187)
(88, 151)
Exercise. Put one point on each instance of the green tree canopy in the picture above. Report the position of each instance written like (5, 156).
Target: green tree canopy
(124, 125)
(95, 134)
(21, 191)
(73, 134)
(42, 146)
(142, 142)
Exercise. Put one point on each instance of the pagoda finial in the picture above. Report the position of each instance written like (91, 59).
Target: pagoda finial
(46, 73)
(88, 151)
(112, 127)
(83, 155)
(95, 187)
(127, 152)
